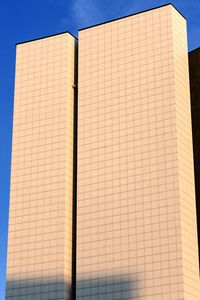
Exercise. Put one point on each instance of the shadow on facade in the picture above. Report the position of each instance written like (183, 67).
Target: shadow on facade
(108, 288)
(122, 287)
(38, 289)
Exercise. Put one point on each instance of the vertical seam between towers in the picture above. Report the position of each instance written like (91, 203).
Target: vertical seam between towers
(74, 206)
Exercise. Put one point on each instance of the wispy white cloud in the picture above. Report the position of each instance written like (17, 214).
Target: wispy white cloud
(88, 12)
(85, 12)
(77, 14)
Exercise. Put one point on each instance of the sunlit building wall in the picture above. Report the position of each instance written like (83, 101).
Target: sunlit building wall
(136, 216)
(39, 264)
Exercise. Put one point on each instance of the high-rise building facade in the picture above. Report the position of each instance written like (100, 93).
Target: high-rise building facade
(136, 217)
(130, 182)
(39, 264)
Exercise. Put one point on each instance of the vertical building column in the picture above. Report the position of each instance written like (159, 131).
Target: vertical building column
(39, 264)
(186, 193)
(136, 229)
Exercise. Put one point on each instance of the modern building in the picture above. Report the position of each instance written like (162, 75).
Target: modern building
(39, 264)
(115, 217)
(136, 215)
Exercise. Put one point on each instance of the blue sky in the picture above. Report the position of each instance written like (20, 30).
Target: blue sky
(22, 20)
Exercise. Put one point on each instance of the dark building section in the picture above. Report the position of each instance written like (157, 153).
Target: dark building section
(194, 65)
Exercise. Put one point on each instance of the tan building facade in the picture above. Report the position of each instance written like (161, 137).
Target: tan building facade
(136, 216)
(39, 264)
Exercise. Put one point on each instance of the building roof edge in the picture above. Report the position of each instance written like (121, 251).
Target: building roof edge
(133, 14)
(194, 50)
(44, 37)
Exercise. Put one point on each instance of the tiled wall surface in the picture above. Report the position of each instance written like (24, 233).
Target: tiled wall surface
(136, 217)
(186, 192)
(40, 221)
(136, 226)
